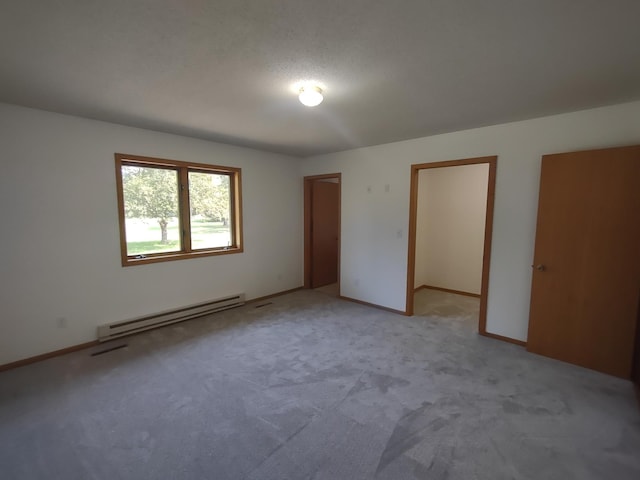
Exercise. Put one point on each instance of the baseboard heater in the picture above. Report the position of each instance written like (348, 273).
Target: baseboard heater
(135, 325)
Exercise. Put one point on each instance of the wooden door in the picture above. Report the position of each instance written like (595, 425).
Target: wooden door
(586, 276)
(325, 205)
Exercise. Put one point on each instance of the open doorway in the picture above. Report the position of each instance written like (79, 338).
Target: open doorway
(450, 225)
(322, 233)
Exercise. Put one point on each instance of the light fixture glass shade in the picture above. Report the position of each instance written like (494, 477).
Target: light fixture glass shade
(310, 96)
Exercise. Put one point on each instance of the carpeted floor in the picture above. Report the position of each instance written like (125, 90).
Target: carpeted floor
(331, 289)
(313, 387)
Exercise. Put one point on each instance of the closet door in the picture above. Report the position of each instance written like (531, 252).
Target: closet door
(325, 214)
(586, 271)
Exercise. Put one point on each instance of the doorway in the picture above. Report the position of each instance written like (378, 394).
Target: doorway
(586, 271)
(486, 238)
(322, 232)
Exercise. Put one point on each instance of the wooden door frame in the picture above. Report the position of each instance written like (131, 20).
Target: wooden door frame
(492, 161)
(307, 223)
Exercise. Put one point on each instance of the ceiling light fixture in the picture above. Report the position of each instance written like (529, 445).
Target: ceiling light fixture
(310, 95)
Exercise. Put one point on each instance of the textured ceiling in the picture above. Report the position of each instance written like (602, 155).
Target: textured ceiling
(392, 70)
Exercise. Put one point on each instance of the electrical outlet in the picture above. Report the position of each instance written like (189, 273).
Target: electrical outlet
(387, 187)
(369, 189)
(61, 322)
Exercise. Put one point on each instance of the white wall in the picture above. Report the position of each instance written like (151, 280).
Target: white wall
(375, 222)
(59, 241)
(450, 227)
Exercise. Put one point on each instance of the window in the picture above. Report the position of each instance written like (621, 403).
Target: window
(171, 210)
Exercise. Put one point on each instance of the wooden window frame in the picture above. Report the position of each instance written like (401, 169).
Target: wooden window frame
(182, 169)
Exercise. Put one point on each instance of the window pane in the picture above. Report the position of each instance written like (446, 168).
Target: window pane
(151, 210)
(210, 210)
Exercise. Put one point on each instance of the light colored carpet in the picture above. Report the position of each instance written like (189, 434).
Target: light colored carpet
(313, 387)
(331, 289)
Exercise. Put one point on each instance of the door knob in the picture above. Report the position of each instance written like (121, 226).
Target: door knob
(539, 267)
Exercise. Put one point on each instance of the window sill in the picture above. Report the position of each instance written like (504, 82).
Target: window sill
(168, 257)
